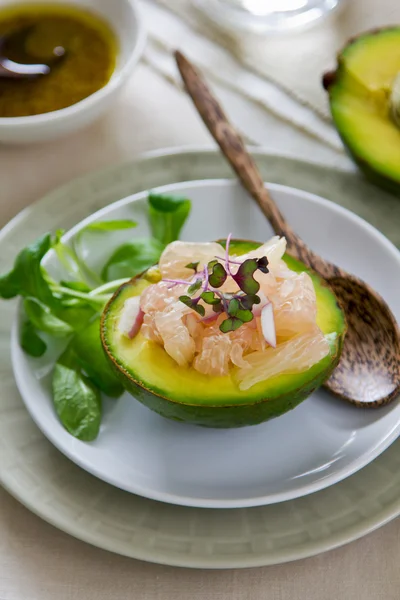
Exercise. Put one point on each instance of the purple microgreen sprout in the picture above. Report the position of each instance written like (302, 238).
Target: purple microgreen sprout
(231, 261)
(193, 265)
(245, 276)
(224, 300)
(219, 307)
(210, 297)
(247, 301)
(193, 303)
(233, 307)
(213, 299)
(228, 243)
(192, 289)
(237, 306)
(236, 317)
(175, 282)
(205, 278)
(262, 264)
(230, 324)
(244, 315)
(218, 275)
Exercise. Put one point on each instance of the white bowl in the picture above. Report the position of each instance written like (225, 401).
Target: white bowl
(123, 16)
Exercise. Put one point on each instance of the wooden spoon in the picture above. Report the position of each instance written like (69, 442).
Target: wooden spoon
(369, 370)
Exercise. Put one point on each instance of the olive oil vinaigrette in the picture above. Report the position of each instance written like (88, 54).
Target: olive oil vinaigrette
(91, 50)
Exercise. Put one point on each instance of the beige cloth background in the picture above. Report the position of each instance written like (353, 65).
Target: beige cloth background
(37, 562)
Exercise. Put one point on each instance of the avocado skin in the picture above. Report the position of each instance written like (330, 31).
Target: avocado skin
(333, 79)
(224, 417)
(373, 176)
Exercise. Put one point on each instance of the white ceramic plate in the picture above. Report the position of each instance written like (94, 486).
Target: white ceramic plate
(319, 443)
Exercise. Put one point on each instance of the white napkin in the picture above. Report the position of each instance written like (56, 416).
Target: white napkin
(168, 32)
(296, 61)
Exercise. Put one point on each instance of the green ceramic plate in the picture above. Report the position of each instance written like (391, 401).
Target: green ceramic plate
(61, 493)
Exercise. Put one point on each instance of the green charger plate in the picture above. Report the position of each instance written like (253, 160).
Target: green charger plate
(51, 486)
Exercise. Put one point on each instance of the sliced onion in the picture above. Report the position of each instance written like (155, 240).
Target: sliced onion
(131, 318)
(137, 324)
(210, 318)
(257, 308)
(268, 324)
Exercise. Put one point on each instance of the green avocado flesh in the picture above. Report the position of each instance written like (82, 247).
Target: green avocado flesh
(184, 394)
(360, 101)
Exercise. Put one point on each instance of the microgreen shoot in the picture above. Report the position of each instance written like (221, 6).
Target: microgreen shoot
(210, 298)
(247, 301)
(227, 265)
(244, 277)
(192, 289)
(217, 274)
(193, 303)
(193, 265)
(238, 306)
(262, 264)
(230, 324)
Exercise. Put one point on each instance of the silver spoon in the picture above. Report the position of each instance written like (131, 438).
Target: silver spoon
(24, 68)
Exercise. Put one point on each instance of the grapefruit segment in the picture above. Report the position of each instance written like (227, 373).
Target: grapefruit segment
(298, 354)
(178, 254)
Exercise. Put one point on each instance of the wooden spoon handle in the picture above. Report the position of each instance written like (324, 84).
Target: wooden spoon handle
(229, 141)
(243, 164)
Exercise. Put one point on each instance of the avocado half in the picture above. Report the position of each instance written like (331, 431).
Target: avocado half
(184, 394)
(364, 96)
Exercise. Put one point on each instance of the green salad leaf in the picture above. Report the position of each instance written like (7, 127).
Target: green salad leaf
(30, 341)
(43, 319)
(27, 278)
(77, 314)
(167, 215)
(132, 258)
(91, 358)
(115, 225)
(100, 227)
(76, 400)
(78, 286)
(67, 256)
